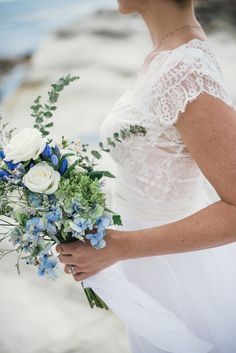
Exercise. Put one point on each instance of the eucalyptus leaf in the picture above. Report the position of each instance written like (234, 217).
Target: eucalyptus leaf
(100, 174)
(96, 154)
(42, 112)
(117, 220)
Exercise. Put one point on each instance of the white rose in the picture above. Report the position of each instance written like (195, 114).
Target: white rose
(42, 178)
(72, 159)
(25, 145)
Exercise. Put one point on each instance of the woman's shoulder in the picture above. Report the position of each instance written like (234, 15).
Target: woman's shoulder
(189, 70)
(190, 61)
(197, 56)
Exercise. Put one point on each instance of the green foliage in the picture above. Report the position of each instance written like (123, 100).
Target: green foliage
(5, 207)
(100, 174)
(83, 188)
(118, 137)
(64, 142)
(5, 132)
(42, 113)
(71, 168)
(21, 217)
(117, 220)
(96, 154)
(2, 187)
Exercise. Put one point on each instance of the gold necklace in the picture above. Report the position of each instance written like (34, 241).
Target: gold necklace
(171, 32)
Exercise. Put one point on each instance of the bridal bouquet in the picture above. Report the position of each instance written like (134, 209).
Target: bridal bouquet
(51, 192)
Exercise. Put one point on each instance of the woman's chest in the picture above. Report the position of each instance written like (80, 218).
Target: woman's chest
(137, 106)
(157, 158)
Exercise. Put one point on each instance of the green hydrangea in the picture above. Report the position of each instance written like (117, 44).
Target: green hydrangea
(83, 188)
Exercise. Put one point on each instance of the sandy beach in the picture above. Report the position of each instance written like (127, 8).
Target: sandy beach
(106, 50)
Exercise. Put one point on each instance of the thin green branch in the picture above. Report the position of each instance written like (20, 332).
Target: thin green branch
(42, 113)
(123, 134)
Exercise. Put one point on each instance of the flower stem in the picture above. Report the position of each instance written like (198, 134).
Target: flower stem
(94, 299)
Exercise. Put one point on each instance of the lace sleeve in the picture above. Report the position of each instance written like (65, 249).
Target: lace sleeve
(182, 81)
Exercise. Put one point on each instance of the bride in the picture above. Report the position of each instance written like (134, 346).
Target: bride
(170, 271)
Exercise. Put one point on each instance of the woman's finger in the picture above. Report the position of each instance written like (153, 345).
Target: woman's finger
(59, 249)
(67, 269)
(68, 248)
(77, 269)
(66, 259)
(83, 275)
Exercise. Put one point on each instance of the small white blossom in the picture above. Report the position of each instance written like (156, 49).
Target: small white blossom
(72, 159)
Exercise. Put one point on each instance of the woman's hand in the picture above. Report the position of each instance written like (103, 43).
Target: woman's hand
(88, 261)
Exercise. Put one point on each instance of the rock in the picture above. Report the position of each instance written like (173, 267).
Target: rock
(116, 34)
(216, 14)
(7, 64)
(12, 73)
(104, 47)
(92, 49)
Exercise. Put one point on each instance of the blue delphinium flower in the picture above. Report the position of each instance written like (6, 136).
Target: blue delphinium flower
(51, 229)
(57, 151)
(73, 207)
(96, 239)
(63, 166)
(52, 199)
(54, 160)
(29, 261)
(41, 225)
(47, 152)
(4, 175)
(103, 222)
(29, 241)
(32, 164)
(47, 265)
(2, 154)
(88, 224)
(79, 225)
(19, 170)
(33, 238)
(15, 235)
(76, 205)
(36, 224)
(26, 247)
(11, 165)
(35, 200)
(55, 215)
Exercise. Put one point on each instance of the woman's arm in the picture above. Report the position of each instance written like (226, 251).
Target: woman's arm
(212, 226)
(208, 129)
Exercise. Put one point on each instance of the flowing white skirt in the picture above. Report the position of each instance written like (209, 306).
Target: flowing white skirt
(179, 303)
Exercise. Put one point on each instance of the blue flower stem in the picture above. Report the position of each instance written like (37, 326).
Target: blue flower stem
(94, 299)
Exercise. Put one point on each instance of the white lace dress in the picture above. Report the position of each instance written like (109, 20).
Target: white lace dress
(180, 303)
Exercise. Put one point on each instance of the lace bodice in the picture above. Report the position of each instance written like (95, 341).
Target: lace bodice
(157, 169)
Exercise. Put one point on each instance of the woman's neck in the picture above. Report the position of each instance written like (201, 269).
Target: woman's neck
(163, 18)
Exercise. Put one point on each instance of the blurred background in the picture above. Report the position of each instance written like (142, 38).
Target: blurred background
(41, 41)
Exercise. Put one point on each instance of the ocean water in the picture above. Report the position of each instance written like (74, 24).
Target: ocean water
(25, 23)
